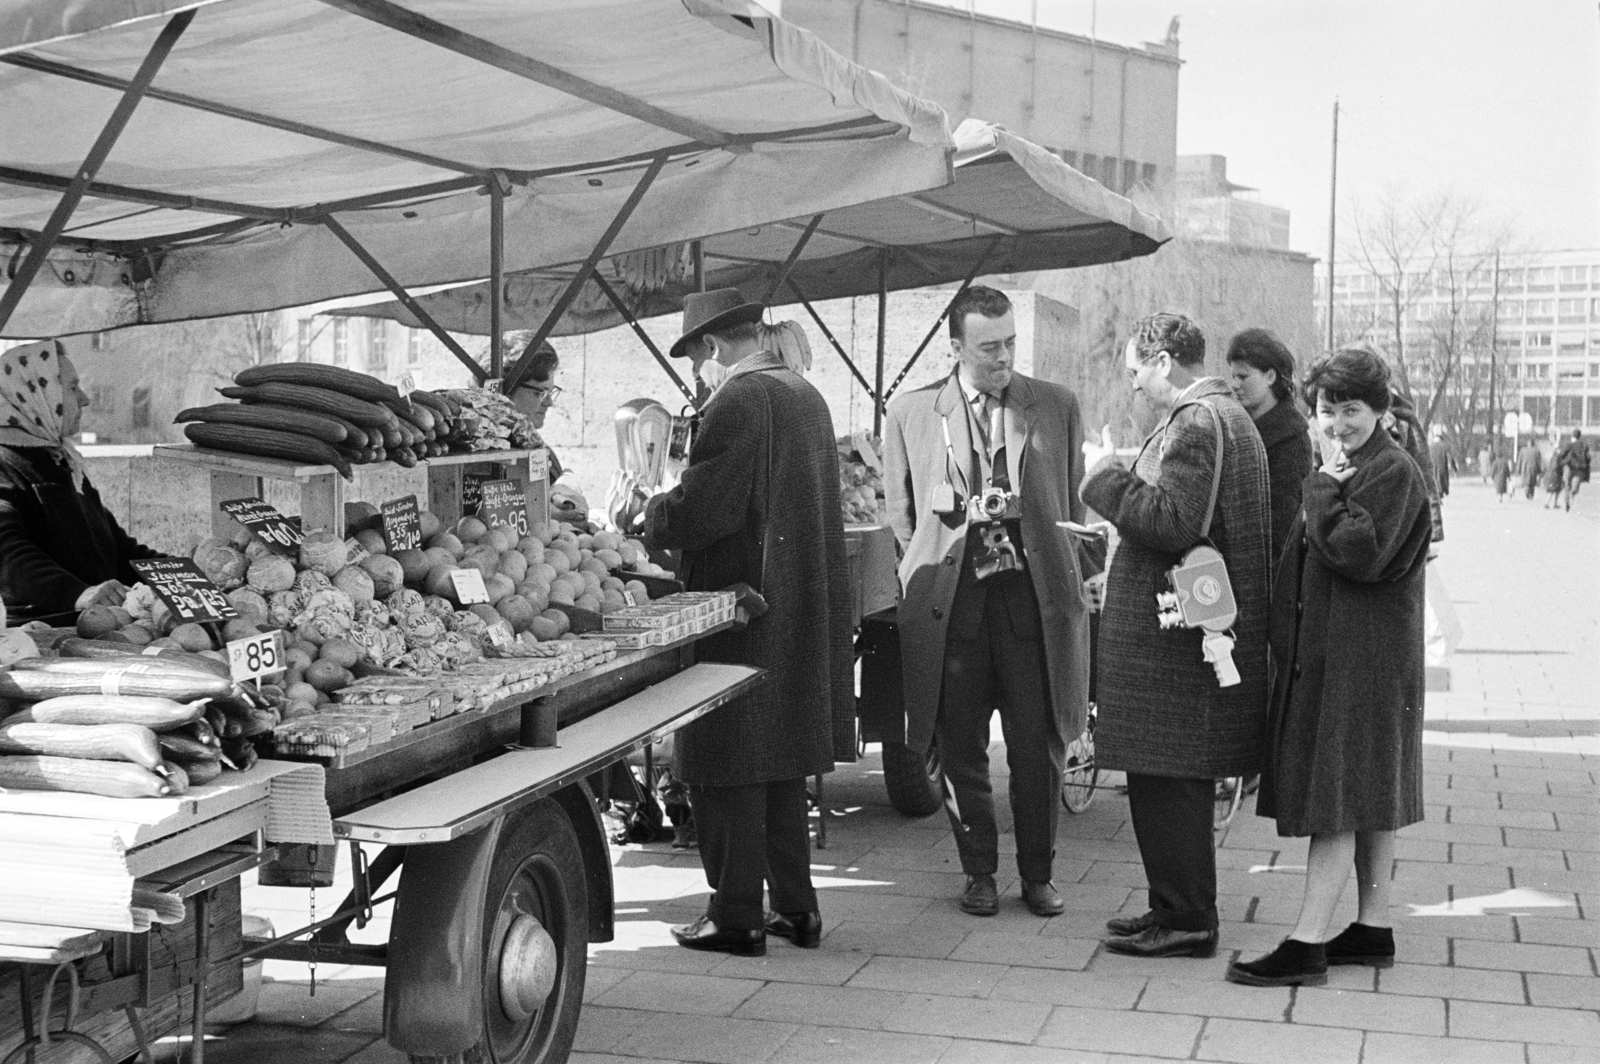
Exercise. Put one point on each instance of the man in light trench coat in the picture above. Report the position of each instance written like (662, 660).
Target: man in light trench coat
(1018, 639)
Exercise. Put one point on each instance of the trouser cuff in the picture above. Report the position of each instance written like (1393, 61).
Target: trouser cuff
(1177, 919)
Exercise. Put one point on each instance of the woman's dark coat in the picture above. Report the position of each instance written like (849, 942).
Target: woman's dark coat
(1161, 711)
(1287, 438)
(54, 541)
(764, 459)
(1344, 746)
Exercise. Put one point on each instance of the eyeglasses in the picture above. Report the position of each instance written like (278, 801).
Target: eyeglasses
(546, 391)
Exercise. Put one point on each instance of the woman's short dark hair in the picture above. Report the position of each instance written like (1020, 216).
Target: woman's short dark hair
(544, 362)
(1349, 373)
(1264, 351)
(1172, 333)
(976, 299)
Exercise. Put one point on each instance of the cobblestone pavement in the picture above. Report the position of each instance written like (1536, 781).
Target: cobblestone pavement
(1497, 900)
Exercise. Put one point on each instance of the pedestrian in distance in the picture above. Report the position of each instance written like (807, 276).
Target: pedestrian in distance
(979, 469)
(1575, 459)
(1344, 741)
(1500, 473)
(1485, 461)
(1530, 464)
(758, 504)
(1261, 373)
(1164, 717)
(1554, 479)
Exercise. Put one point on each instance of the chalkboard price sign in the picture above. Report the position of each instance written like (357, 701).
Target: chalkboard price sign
(504, 503)
(402, 528)
(279, 533)
(184, 588)
(471, 495)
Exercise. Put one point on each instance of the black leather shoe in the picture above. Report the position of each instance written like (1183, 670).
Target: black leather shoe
(1362, 944)
(1293, 963)
(1042, 898)
(1165, 942)
(704, 934)
(1130, 925)
(980, 898)
(803, 929)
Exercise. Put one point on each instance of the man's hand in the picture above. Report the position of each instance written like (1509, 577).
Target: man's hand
(1096, 451)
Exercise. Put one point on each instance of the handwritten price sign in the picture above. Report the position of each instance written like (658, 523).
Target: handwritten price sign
(469, 586)
(402, 527)
(279, 533)
(184, 588)
(256, 656)
(503, 503)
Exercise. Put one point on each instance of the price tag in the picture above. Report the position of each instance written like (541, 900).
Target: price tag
(279, 533)
(184, 588)
(256, 656)
(470, 495)
(402, 527)
(501, 635)
(354, 552)
(469, 586)
(493, 385)
(504, 503)
(407, 385)
(627, 596)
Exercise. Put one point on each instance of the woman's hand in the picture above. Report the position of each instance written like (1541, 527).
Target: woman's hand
(1337, 468)
(110, 593)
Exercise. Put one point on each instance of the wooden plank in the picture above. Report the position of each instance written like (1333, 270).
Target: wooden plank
(202, 838)
(462, 802)
(48, 936)
(277, 469)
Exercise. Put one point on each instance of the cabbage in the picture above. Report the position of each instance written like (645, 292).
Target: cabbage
(323, 552)
(271, 573)
(251, 606)
(438, 606)
(284, 606)
(309, 582)
(222, 565)
(405, 601)
(420, 629)
(355, 582)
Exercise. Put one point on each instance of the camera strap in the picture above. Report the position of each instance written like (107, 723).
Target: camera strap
(1216, 473)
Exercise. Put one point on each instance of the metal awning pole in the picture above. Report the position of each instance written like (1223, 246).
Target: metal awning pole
(402, 295)
(498, 187)
(564, 301)
(972, 275)
(644, 337)
(91, 164)
(883, 319)
(697, 256)
(866, 385)
(794, 256)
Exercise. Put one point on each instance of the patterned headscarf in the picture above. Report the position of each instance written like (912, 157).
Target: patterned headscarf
(33, 403)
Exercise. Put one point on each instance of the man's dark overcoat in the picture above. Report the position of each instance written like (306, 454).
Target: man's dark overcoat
(764, 465)
(1344, 747)
(1044, 450)
(1161, 711)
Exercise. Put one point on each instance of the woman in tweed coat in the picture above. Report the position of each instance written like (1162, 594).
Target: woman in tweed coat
(1163, 718)
(1344, 746)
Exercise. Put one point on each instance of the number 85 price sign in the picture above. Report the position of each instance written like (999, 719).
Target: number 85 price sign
(256, 656)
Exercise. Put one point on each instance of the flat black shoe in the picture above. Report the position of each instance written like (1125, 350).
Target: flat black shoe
(704, 934)
(1130, 925)
(1361, 944)
(1042, 898)
(980, 898)
(1165, 942)
(1293, 963)
(803, 929)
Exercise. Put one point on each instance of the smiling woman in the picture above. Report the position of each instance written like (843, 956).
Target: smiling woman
(60, 549)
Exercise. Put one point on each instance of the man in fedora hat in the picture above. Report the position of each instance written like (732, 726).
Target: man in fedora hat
(759, 505)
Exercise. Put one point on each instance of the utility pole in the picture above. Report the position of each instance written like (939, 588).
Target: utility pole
(1333, 216)
(1494, 345)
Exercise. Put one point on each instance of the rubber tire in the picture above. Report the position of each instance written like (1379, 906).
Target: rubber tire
(914, 782)
(1079, 783)
(541, 836)
(1229, 797)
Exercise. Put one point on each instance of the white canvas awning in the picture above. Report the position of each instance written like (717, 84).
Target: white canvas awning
(269, 117)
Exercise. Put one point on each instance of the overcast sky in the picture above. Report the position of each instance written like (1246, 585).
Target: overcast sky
(1495, 99)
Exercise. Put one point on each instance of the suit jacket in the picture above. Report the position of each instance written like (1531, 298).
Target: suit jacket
(1044, 453)
(759, 504)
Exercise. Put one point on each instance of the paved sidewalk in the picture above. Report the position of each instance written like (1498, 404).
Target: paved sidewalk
(1497, 900)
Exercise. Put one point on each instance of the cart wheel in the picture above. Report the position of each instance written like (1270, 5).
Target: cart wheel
(1081, 773)
(1230, 792)
(535, 941)
(915, 783)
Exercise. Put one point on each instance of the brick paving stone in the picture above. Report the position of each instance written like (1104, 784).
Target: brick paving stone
(291, 1004)
(712, 1039)
(1524, 1023)
(916, 975)
(1554, 932)
(272, 1043)
(699, 995)
(786, 964)
(910, 883)
(1384, 1048)
(1544, 1054)
(989, 1019)
(1088, 989)
(601, 1029)
(1577, 822)
(1098, 898)
(1554, 880)
(363, 1018)
(1453, 875)
(1523, 957)
(1414, 849)
(894, 941)
(597, 980)
(1551, 803)
(1518, 857)
(1079, 923)
(1116, 874)
(595, 1058)
(1252, 1042)
(1563, 991)
(883, 908)
(381, 1052)
(1352, 977)
(1108, 1031)
(1322, 1007)
(841, 1045)
(846, 1006)
(1486, 928)
(1194, 998)
(1211, 968)
(1471, 984)
(967, 1051)
(945, 917)
(1531, 819)
(1028, 951)
(1254, 938)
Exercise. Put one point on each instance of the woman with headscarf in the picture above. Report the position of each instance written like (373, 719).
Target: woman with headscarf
(61, 551)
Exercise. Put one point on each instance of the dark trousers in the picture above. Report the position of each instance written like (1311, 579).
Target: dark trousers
(1172, 822)
(749, 836)
(993, 656)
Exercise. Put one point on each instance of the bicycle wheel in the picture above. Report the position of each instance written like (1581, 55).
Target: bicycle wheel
(1229, 793)
(1081, 773)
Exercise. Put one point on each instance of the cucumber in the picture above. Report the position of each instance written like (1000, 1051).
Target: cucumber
(113, 779)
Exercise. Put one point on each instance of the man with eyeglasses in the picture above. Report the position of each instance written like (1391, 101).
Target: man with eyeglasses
(993, 612)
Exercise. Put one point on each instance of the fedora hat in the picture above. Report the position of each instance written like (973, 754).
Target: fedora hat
(707, 312)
